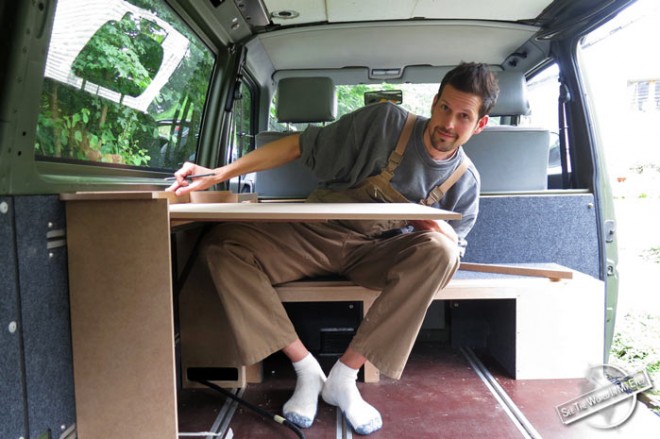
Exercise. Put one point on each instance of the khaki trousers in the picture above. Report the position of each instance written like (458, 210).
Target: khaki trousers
(246, 259)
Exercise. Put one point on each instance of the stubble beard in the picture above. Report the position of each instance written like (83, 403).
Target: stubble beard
(441, 143)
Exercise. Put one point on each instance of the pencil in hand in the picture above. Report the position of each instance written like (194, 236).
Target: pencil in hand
(190, 178)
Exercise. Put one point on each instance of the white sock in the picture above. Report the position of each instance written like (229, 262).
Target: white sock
(301, 407)
(341, 390)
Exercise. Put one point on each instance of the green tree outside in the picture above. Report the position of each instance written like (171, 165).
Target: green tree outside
(124, 57)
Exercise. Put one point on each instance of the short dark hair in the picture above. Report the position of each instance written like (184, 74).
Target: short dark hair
(474, 78)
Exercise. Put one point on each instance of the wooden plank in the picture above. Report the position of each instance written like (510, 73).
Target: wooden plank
(550, 273)
(206, 336)
(222, 197)
(193, 197)
(122, 318)
(308, 292)
(559, 329)
(124, 195)
(305, 212)
(344, 290)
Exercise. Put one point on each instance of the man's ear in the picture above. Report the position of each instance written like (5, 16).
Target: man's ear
(435, 101)
(481, 125)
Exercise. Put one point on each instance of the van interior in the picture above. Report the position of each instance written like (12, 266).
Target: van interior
(111, 327)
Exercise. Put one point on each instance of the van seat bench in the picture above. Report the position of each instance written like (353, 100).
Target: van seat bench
(533, 326)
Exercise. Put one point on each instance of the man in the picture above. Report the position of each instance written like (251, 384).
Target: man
(379, 153)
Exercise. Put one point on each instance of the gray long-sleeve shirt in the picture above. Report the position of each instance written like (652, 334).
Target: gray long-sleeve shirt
(358, 145)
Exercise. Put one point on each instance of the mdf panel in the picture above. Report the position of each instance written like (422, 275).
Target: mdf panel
(561, 329)
(206, 338)
(122, 318)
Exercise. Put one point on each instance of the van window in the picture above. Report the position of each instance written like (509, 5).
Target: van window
(242, 136)
(623, 81)
(645, 94)
(417, 98)
(543, 95)
(242, 141)
(125, 86)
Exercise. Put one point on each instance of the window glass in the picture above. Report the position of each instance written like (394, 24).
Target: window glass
(417, 98)
(124, 85)
(623, 78)
(543, 96)
(645, 94)
(242, 136)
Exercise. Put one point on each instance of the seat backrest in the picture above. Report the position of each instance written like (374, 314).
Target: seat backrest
(293, 180)
(511, 158)
(299, 100)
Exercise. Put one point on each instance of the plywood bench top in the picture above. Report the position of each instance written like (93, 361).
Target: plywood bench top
(464, 285)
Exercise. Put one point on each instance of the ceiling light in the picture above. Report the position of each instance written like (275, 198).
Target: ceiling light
(285, 14)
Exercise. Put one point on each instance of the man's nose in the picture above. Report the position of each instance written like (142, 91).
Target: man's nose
(448, 123)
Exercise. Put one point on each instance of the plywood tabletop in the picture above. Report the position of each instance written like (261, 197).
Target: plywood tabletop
(305, 212)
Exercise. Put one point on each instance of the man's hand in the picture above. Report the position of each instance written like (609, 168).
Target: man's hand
(437, 226)
(182, 186)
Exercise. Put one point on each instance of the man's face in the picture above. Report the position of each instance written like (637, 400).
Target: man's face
(454, 119)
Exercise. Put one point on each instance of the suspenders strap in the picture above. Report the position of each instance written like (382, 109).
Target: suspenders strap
(439, 191)
(396, 155)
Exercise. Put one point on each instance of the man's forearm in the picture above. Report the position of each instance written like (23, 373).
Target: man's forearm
(269, 156)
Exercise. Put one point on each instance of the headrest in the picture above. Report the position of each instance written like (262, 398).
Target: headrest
(512, 100)
(306, 100)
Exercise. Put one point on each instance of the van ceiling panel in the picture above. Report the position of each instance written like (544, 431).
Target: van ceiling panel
(372, 45)
(351, 10)
(309, 11)
(340, 11)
